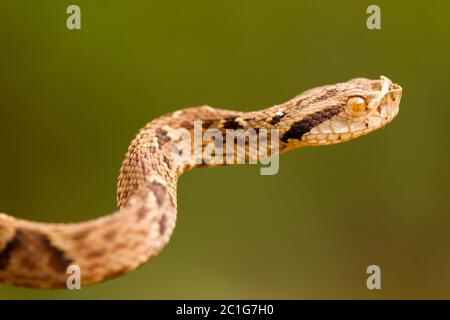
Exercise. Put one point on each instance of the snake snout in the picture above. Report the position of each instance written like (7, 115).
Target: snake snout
(395, 91)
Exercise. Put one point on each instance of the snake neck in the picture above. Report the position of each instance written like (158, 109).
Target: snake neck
(160, 149)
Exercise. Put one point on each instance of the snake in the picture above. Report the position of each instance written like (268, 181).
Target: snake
(38, 255)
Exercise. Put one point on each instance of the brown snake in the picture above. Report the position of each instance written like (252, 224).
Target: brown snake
(35, 254)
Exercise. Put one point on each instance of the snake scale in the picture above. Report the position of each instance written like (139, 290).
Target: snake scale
(36, 254)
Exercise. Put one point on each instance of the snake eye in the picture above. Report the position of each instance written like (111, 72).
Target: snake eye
(356, 104)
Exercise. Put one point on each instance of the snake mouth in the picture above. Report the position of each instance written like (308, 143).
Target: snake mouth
(393, 96)
(395, 92)
(388, 103)
(391, 102)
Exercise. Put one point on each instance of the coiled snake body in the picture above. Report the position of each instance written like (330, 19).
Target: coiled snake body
(35, 254)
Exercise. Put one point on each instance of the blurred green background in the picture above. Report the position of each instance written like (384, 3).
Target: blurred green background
(71, 101)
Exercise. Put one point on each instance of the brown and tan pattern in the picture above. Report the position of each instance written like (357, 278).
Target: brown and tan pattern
(37, 254)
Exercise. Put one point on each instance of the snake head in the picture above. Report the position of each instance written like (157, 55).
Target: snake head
(345, 111)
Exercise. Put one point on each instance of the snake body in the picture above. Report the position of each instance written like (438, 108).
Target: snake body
(35, 254)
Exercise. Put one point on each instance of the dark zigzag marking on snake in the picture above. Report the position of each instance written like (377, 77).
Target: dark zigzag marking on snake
(299, 128)
(277, 118)
(313, 97)
(231, 123)
(57, 261)
(162, 224)
(160, 193)
(162, 137)
(5, 254)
